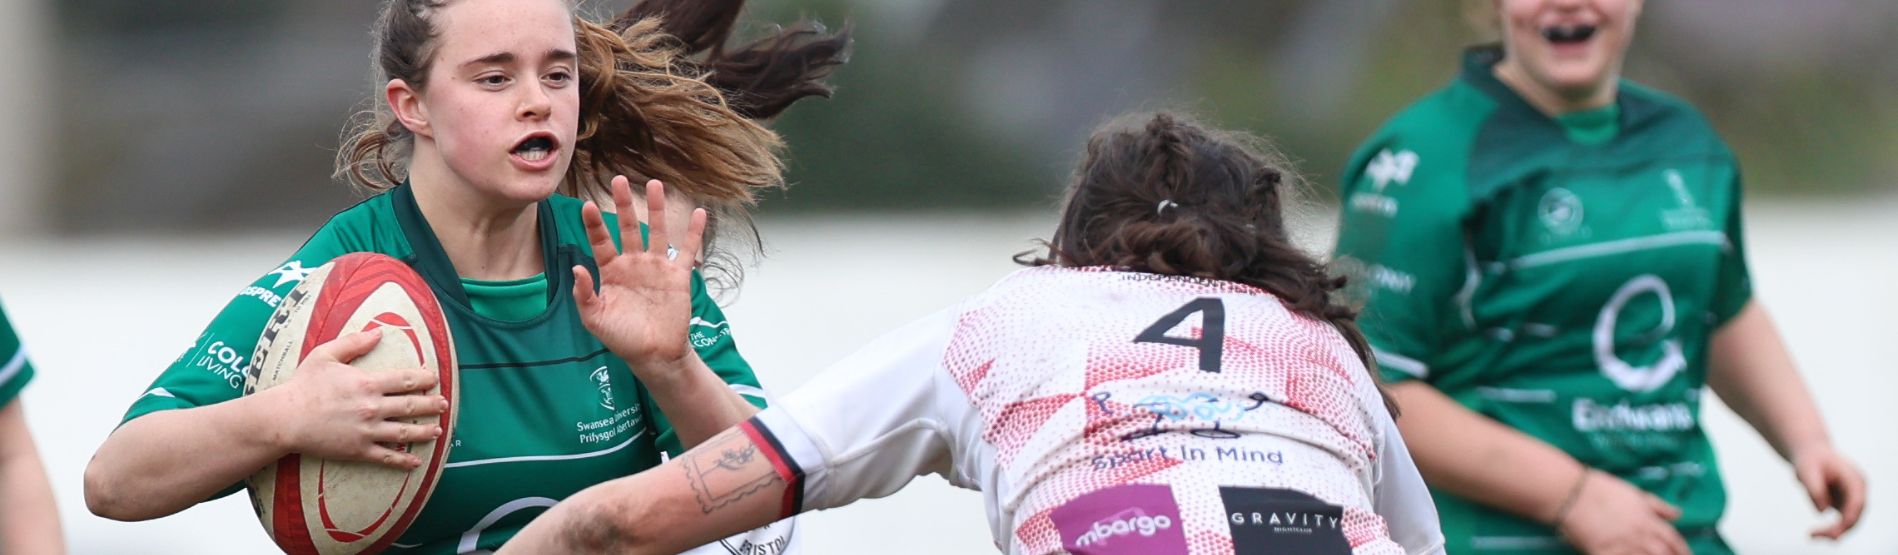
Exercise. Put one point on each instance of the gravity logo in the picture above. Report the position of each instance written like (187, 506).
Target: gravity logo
(1269, 520)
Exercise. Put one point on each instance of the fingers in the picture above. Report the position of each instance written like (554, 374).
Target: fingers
(694, 237)
(402, 432)
(1852, 491)
(1812, 476)
(410, 406)
(623, 202)
(598, 237)
(1666, 511)
(1670, 540)
(656, 216)
(403, 380)
(583, 289)
(347, 348)
(390, 457)
(1846, 487)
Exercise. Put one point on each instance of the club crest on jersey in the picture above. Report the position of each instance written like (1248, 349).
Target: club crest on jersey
(603, 379)
(1560, 211)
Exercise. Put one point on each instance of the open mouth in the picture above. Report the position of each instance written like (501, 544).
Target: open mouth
(1568, 34)
(535, 148)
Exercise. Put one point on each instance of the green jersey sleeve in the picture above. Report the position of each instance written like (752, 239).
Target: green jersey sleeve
(1733, 288)
(1401, 243)
(15, 369)
(213, 369)
(710, 334)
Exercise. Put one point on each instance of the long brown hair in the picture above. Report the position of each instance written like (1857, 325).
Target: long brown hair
(1159, 193)
(648, 108)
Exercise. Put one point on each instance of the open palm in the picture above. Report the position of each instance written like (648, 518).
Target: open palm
(644, 300)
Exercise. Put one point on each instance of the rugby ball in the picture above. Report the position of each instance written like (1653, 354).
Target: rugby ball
(311, 505)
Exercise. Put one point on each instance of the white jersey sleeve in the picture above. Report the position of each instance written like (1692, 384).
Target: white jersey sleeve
(1401, 497)
(870, 423)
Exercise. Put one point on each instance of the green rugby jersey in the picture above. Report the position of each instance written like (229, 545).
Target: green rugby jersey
(15, 369)
(1560, 275)
(546, 410)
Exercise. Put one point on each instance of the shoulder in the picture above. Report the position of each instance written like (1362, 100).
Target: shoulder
(1427, 142)
(1665, 120)
(367, 226)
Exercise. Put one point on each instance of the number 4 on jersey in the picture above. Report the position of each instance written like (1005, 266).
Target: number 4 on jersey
(1212, 335)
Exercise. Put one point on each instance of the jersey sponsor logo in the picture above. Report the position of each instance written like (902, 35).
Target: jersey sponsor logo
(1388, 167)
(1384, 169)
(1588, 416)
(1201, 414)
(1271, 520)
(267, 296)
(1130, 519)
(223, 361)
(1631, 376)
(1560, 211)
(291, 272)
(704, 333)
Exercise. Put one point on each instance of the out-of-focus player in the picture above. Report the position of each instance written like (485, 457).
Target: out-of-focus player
(29, 523)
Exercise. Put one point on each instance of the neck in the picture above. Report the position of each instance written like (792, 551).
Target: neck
(1549, 101)
(485, 238)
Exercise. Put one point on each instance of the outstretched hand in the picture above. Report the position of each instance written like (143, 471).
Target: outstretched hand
(1832, 482)
(644, 303)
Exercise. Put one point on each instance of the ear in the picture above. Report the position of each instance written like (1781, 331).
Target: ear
(406, 102)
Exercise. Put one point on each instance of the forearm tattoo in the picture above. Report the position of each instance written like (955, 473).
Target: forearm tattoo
(727, 468)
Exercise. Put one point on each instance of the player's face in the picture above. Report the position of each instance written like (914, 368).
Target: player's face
(1574, 48)
(503, 96)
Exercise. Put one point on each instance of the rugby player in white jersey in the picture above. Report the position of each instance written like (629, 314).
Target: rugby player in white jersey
(1173, 377)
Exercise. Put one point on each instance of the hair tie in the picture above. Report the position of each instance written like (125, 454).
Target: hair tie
(1165, 204)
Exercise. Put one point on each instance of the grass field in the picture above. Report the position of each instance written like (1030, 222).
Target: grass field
(102, 316)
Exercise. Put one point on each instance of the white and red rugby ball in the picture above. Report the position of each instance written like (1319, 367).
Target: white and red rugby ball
(310, 505)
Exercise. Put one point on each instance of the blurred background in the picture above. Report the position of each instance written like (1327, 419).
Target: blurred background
(162, 153)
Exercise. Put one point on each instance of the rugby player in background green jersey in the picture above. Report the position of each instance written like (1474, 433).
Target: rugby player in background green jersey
(489, 107)
(29, 522)
(1555, 271)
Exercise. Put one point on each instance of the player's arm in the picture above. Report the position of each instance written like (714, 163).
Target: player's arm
(30, 522)
(726, 485)
(643, 307)
(1401, 497)
(166, 461)
(1750, 369)
(863, 429)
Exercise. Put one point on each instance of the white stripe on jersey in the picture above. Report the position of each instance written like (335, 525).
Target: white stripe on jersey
(13, 366)
(1679, 238)
(750, 391)
(531, 458)
(1400, 363)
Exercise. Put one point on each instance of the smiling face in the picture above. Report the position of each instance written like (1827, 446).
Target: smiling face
(1570, 49)
(502, 100)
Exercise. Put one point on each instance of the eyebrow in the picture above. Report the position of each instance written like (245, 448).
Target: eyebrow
(556, 55)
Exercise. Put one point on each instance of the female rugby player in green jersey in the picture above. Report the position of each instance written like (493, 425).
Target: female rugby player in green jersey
(30, 522)
(489, 107)
(1555, 270)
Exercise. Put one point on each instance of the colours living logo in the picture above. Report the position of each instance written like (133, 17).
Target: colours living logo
(1122, 520)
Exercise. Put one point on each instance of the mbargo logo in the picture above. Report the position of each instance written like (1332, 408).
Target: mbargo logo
(1131, 521)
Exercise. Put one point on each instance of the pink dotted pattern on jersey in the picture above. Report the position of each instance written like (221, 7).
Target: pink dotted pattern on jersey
(1049, 360)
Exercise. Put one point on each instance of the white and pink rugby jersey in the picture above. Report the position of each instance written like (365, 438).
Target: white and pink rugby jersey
(1109, 412)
